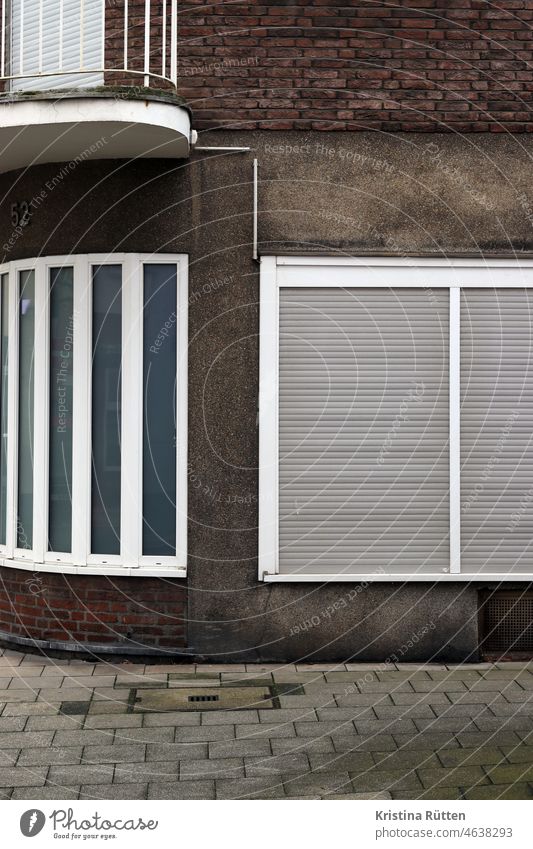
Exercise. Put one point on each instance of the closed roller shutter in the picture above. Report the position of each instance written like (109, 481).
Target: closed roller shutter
(363, 431)
(497, 430)
(57, 51)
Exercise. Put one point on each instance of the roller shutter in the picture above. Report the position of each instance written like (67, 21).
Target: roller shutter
(363, 430)
(497, 430)
(60, 48)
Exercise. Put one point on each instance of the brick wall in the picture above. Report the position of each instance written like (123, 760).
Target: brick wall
(50, 606)
(419, 65)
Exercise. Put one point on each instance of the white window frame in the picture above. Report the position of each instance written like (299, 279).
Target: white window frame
(278, 272)
(131, 561)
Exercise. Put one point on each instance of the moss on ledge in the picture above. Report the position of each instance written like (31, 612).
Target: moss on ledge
(122, 92)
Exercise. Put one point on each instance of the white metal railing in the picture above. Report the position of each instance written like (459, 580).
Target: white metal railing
(49, 44)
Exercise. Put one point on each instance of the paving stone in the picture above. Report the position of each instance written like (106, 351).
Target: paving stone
(144, 735)
(440, 793)
(457, 724)
(133, 753)
(471, 757)
(34, 683)
(108, 708)
(387, 726)
(509, 723)
(250, 788)
(288, 715)
(81, 774)
(277, 765)
(31, 776)
(344, 714)
(127, 720)
(383, 779)
(146, 773)
(181, 790)
(405, 711)
(510, 773)
(30, 709)
(53, 723)
(25, 739)
(213, 769)
(91, 737)
(9, 757)
(358, 742)
(114, 791)
(368, 796)
(43, 793)
(239, 748)
(266, 732)
(320, 784)
(53, 755)
(420, 699)
(323, 729)
(12, 723)
(345, 762)
(518, 754)
(314, 700)
(385, 687)
(462, 776)
(407, 759)
(204, 733)
(515, 791)
(8, 696)
(488, 738)
(425, 740)
(305, 746)
(230, 717)
(175, 751)
(58, 695)
(181, 718)
(456, 686)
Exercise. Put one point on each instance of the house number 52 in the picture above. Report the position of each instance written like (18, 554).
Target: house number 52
(20, 214)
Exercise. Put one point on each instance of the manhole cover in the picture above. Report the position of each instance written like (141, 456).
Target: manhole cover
(204, 698)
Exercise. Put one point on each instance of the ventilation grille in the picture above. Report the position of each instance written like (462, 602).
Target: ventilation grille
(203, 698)
(506, 620)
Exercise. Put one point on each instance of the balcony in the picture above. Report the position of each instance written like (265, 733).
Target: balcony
(89, 78)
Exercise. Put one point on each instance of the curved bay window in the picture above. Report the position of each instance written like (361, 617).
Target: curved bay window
(93, 410)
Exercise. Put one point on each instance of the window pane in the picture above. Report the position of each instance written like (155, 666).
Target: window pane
(106, 409)
(25, 412)
(4, 282)
(159, 405)
(61, 404)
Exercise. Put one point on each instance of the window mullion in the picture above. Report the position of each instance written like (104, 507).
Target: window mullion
(455, 428)
(131, 426)
(12, 404)
(41, 417)
(81, 454)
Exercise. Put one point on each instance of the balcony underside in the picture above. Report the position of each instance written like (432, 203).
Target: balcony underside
(64, 127)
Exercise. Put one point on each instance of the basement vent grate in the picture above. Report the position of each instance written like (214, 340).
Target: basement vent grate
(506, 622)
(203, 699)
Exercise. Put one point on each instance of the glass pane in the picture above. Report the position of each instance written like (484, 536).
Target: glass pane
(106, 409)
(4, 282)
(61, 405)
(159, 405)
(25, 412)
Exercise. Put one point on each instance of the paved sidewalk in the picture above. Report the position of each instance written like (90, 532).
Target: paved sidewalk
(73, 730)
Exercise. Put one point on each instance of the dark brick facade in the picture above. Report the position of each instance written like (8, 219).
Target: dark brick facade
(92, 609)
(415, 65)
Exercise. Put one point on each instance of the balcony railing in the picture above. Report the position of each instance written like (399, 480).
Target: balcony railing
(51, 44)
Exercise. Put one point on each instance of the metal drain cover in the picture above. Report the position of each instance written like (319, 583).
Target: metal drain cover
(203, 698)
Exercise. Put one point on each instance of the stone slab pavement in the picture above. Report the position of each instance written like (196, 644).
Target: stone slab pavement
(73, 730)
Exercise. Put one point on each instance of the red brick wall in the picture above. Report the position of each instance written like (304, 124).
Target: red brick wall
(419, 65)
(50, 606)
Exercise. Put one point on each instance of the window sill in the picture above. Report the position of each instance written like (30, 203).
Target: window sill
(97, 569)
(395, 577)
